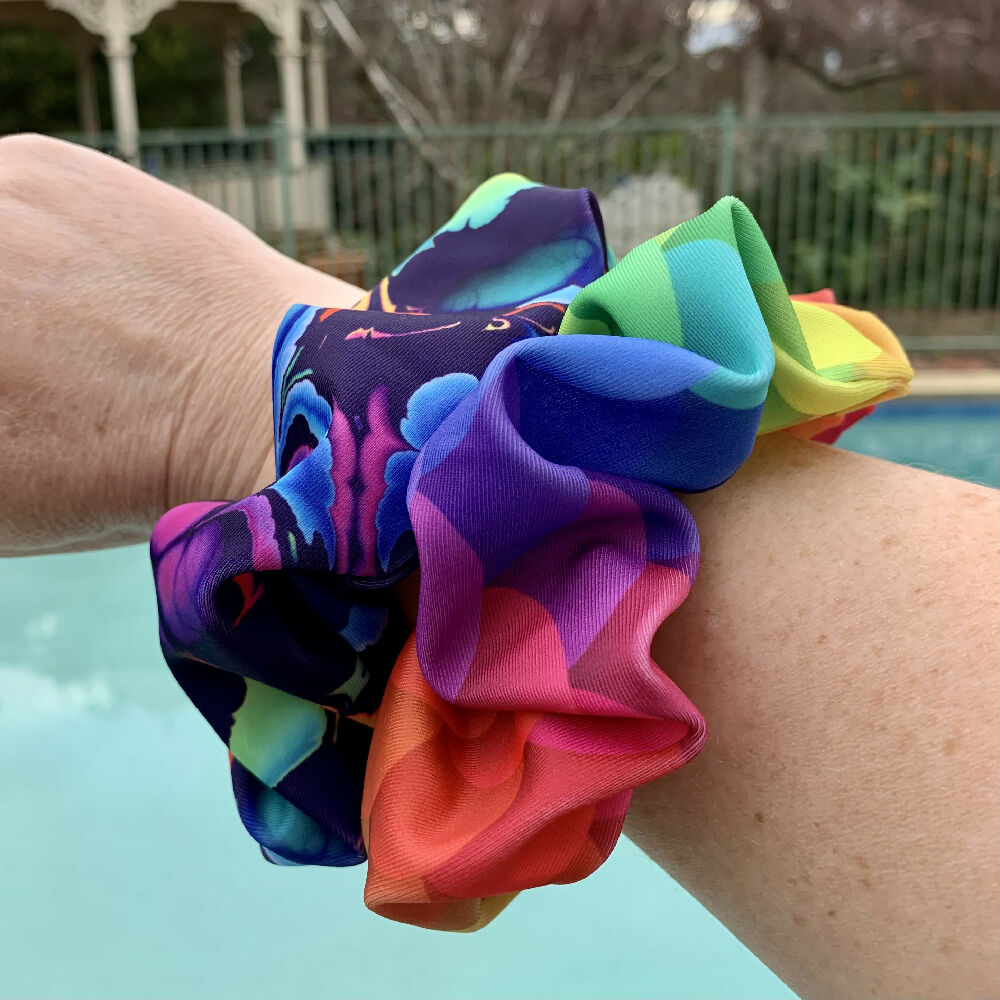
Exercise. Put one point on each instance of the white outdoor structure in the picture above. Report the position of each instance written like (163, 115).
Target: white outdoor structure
(295, 25)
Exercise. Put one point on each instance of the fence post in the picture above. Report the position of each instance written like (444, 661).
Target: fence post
(726, 126)
(284, 185)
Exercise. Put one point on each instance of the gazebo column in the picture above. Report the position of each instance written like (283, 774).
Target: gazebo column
(305, 188)
(86, 87)
(118, 49)
(232, 63)
(319, 106)
(288, 52)
(115, 22)
(284, 20)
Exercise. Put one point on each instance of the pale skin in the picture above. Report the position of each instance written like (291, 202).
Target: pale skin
(841, 639)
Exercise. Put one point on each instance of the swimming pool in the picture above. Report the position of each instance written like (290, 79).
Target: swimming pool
(956, 437)
(127, 873)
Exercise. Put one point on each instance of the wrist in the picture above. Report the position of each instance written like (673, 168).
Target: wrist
(223, 446)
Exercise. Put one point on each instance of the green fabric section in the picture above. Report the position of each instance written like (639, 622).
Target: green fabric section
(846, 372)
(714, 224)
(274, 731)
(610, 304)
(777, 413)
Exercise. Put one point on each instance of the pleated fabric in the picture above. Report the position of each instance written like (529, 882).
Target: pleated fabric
(515, 413)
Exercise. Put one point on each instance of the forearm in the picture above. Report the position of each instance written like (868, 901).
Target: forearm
(137, 325)
(841, 641)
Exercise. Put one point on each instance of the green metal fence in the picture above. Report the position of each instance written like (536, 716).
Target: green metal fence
(898, 213)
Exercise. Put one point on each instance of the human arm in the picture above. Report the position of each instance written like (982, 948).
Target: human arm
(842, 642)
(138, 326)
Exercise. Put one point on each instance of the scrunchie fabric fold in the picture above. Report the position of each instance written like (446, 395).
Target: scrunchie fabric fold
(513, 412)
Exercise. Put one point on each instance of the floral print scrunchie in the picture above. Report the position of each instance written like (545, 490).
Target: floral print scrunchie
(514, 412)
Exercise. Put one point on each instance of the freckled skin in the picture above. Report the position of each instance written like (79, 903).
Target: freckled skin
(841, 638)
(871, 755)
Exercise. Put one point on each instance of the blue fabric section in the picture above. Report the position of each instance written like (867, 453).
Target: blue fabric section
(542, 267)
(364, 625)
(293, 325)
(302, 400)
(580, 401)
(279, 826)
(392, 520)
(308, 490)
(431, 403)
(743, 351)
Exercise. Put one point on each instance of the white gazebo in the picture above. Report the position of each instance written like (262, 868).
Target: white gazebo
(296, 25)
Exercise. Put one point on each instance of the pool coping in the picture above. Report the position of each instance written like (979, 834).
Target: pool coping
(950, 383)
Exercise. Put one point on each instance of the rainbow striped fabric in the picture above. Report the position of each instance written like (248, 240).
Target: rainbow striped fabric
(513, 412)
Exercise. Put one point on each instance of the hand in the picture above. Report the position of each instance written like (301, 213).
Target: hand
(135, 348)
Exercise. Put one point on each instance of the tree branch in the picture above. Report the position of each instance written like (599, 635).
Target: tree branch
(431, 76)
(654, 74)
(527, 33)
(405, 108)
(863, 76)
(408, 112)
(562, 94)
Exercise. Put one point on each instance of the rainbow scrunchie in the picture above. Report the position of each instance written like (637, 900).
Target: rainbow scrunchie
(531, 475)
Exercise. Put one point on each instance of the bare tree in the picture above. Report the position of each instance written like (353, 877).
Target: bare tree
(950, 51)
(436, 61)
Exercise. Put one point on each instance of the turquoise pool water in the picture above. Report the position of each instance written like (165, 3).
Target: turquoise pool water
(127, 874)
(958, 438)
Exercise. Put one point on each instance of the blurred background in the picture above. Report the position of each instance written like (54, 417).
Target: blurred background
(863, 134)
